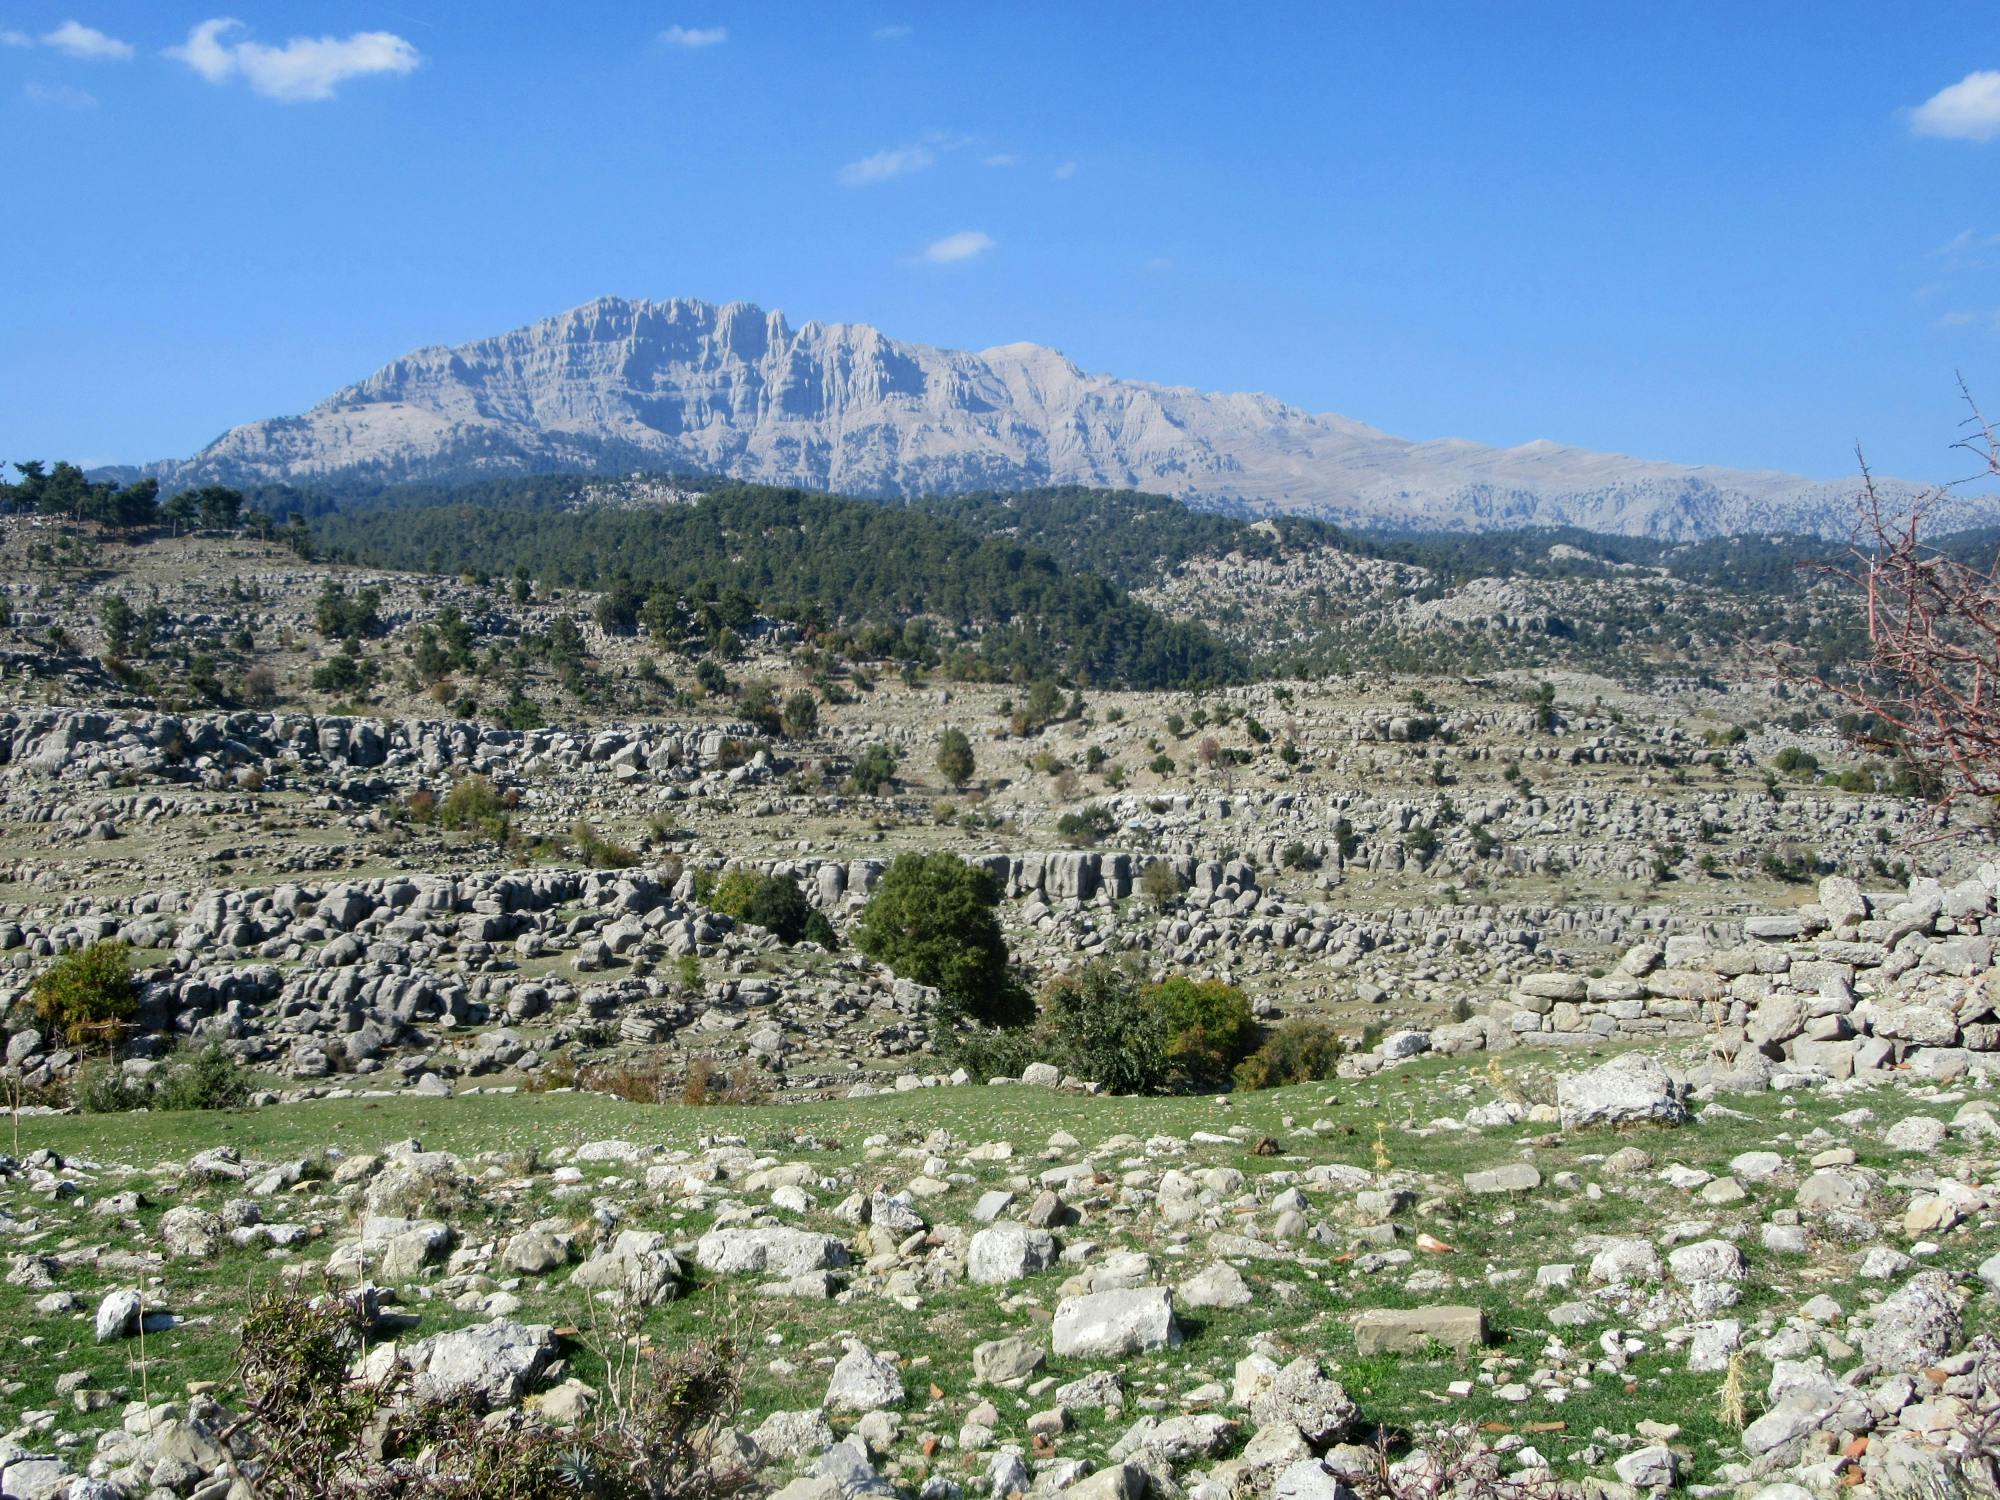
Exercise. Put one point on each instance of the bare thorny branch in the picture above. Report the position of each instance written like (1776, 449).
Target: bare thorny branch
(1933, 673)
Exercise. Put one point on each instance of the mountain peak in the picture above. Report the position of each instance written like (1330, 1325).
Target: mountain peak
(618, 383)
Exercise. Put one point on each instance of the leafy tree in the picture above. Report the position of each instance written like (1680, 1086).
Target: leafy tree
(217, 506)
(954, 758)
(619, 605)
(344, 672)
(932, 919)
(338, 615)
(1160, 884)
(87, 995)
(1045, 701)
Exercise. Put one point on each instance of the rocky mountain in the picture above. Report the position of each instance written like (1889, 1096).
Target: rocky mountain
(734, 390)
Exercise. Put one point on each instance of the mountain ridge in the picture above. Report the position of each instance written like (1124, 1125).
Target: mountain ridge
(734, 390)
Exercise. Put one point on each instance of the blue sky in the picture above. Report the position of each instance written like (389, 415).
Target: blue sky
(1751, 235)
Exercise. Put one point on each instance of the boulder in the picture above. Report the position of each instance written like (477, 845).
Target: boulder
(491, 1363)
(1007, 1252)
(118, 1316)
(1108, 1325)
(779, 1252)
(1399, 1329)
(1914, 1326)
(1303, 1397)
(863, 1381)
(1629, 1090)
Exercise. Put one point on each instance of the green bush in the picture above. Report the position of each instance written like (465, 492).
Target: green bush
(779, 907)
(820, 930)
(1792, 761)
(733, 891)
(474, 805)
(1101, 1024)
(932, 920)
(1106, 1024)
(1298, 1051)
(1209, 1027)
(873, 769)
(1087, 826)
(104, 1088)
(800, 719)
(205, 1077)
(87, 995)
(598, 852)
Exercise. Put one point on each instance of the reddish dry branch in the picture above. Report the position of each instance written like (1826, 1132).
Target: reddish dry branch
(1934, 637)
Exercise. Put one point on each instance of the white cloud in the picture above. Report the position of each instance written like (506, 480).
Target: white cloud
(16, 39)
(1969, 110)
(956, 247)
(1157, 263)
(58, 96)
(1064, 171)
(88, 43)
(1990, 320)
(304, 69)
(695, 36)
(1000, 159)
(884, 165)
(891, 33)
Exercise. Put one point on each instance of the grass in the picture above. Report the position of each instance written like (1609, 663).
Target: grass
(1301, 1307)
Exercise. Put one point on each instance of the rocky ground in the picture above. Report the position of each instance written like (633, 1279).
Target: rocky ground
(1567, 1264)
(1660, 1157)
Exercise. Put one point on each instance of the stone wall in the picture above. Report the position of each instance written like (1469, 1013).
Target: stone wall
(1854, 981)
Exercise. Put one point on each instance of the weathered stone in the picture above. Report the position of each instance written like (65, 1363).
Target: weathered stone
(1513, 1177)
(1396, 1330)
(1630, 1089)
(1103, 1325)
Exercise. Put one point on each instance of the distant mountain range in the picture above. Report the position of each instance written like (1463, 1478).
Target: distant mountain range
(687, 386)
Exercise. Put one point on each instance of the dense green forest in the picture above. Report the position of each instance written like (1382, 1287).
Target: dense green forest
(1128, 536)
(810, 557)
